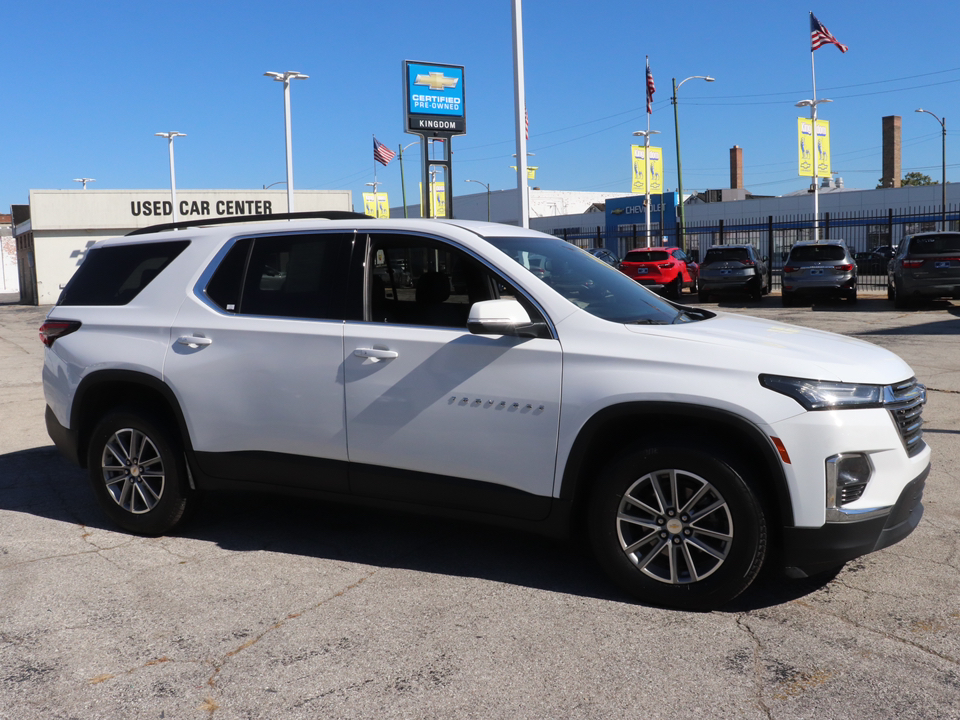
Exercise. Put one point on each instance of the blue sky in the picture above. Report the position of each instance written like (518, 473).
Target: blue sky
(88, 84)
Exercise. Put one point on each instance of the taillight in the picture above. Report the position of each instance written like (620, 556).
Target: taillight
(50, 331)
(843, 268)
(790, 268)
(665, 266)
(747, 262)
(912, 263)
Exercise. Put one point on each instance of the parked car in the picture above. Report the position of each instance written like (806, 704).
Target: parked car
(488, 392)
(733, 269)
(665, 269)
(823, 268)
(603, 254)
(927, 265)
(875, 260)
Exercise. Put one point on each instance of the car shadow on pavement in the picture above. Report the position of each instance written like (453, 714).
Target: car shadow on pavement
(41, 483)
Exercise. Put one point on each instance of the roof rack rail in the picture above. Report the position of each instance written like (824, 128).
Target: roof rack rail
(312, 215)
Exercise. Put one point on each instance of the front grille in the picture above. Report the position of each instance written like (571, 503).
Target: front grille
(905, 402)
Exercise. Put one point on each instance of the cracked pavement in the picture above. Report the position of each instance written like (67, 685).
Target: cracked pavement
(278, 608)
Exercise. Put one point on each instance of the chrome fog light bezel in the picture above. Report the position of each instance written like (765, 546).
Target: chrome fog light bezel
(836, 512)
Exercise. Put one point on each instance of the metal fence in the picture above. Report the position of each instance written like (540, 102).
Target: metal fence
(773, 237)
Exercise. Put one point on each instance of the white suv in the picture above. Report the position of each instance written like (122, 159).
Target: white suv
(482, 372)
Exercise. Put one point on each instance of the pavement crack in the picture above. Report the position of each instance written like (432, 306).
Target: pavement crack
(878, 631)
(210, 705)
(757, 666)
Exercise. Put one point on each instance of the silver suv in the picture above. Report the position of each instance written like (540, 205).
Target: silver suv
(819, 269)
(482, 372)
(733, 269)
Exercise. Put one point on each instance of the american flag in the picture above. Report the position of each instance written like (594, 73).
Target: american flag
(819, 35)
(651, 88)
(381, 153)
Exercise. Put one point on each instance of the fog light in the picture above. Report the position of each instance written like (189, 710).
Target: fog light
(847, 478)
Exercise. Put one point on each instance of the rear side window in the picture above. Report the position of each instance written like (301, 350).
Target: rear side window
(807, 253)
(647, 256)
(934, 244)
(296, 276)
(115, 275)
(725, 255)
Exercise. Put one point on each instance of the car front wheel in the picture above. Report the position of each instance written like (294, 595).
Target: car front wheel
(138, 472)
(675, 525)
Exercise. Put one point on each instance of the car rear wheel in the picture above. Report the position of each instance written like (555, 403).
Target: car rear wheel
(138, 472)
(899, 300)
(786, 297)
(675, 525)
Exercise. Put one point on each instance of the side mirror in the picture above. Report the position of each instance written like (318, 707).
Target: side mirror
(500, 317)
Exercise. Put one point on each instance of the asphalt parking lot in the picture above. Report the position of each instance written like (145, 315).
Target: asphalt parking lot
(267, 608)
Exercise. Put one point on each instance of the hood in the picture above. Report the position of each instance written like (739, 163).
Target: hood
(773, 347)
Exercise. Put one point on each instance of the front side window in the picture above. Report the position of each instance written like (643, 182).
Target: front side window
(591, 285)
(413, 280)
(116, 274)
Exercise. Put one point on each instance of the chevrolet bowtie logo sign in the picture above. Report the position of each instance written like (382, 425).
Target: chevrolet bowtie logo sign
(436, 81)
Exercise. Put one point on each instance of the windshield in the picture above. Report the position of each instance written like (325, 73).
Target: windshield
(935, 244)
(642, 256)
(591, 284)
(726, 255)
(804, 253)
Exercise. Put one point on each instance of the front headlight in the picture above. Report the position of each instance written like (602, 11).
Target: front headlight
(825, 395)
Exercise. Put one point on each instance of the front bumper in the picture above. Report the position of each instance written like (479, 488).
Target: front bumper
(807, 551)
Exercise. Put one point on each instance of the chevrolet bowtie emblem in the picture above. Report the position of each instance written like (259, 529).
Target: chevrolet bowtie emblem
(436, 81)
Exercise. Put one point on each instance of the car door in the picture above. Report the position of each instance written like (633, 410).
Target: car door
(255, 360)
(435, 414)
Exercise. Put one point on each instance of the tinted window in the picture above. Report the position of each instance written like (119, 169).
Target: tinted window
(115, 275)
(647, 256)
(935, 244)
(299, 276)
(807, 253)
(725, 255)
(224, 287)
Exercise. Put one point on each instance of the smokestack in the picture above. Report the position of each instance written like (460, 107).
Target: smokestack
(736, 167)
(892, 171)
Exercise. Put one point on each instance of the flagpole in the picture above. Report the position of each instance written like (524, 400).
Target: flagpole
(813, 119)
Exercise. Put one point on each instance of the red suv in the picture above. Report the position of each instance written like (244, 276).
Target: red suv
(665, 269)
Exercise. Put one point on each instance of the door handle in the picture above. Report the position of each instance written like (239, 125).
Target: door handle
(193, 341)
(376, 353)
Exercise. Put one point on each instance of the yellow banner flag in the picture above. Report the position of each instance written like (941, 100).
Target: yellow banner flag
(813, 148)
(640, 169)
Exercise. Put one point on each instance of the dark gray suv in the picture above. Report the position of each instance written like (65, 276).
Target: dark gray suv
(927, 265)
(733, 268)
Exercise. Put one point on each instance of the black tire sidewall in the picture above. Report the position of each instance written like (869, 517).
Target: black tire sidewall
(750, 533)
(172, 505)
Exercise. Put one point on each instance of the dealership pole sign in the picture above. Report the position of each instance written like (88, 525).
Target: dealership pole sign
(813, 147)
(434, 108)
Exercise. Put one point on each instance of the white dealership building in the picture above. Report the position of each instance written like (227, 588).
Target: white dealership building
(54, 231)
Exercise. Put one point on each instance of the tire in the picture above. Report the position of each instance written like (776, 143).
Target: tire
(675, 289)
(756, 290)
(138, 472)
(786, 298)
(852, 296)
(899, 301)
(703, 295)
(666, 555)
(891, 295)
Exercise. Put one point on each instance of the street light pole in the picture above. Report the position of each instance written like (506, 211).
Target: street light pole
(816, 183)
(285, 78)
(403, 185)
(646, 177)
(943, 184)
(173, 175)
(682, 238)
(488, 195)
